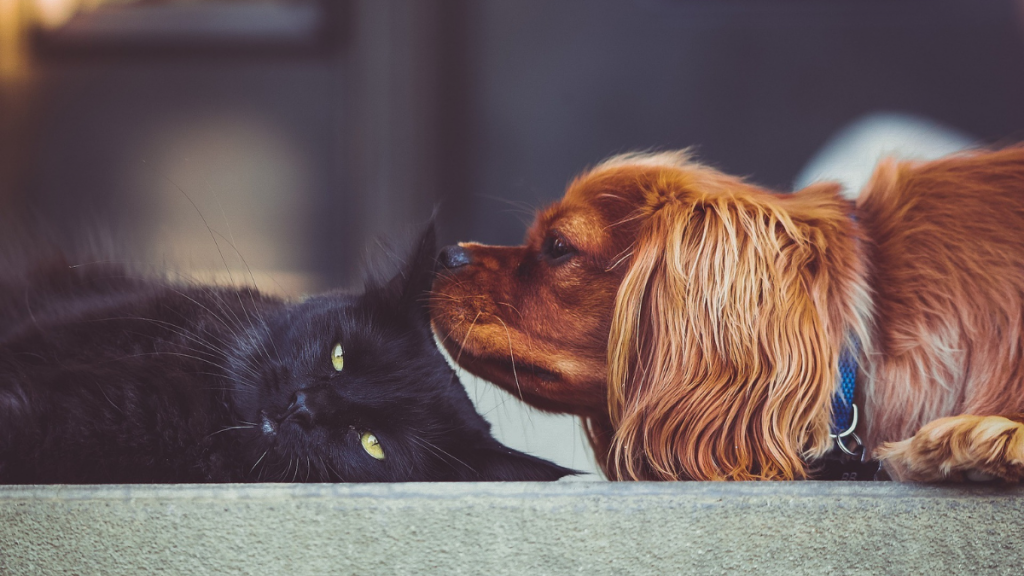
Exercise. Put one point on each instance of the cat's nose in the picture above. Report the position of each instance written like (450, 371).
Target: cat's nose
(452, 257)
(299, 410)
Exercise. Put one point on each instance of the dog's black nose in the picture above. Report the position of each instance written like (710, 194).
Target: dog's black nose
(453, 257)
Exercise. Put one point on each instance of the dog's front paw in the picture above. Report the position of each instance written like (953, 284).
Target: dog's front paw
(958, 449)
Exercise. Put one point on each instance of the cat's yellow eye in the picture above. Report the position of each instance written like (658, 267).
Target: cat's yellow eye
(338, 357)
(372, 446)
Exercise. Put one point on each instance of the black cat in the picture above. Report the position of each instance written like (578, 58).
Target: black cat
(108, 376)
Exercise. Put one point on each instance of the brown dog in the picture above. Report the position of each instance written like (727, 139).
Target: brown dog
(695, 321)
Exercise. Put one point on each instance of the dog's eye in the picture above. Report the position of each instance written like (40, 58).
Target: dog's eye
(557, 248)
(372, 445)
(338, 358)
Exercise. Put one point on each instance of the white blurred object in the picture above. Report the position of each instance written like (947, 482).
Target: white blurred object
(556, 437)
(850, 156)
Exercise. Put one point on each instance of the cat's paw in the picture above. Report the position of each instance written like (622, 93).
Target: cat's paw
(958, 449)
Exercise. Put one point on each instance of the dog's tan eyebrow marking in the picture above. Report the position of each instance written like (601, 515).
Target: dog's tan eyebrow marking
(544, 223)
(585, 230)
(566, 225)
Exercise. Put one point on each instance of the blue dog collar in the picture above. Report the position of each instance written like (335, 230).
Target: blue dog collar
(844, 411)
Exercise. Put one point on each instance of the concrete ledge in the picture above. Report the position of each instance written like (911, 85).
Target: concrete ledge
(527, 528)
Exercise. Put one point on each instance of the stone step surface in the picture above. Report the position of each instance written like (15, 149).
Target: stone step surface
(515, 528)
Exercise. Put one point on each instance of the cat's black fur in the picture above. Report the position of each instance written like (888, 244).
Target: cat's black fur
(108, 376)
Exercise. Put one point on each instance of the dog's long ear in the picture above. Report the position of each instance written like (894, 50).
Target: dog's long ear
(721, 365)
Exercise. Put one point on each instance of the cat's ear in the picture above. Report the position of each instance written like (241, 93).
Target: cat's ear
(500, 463)
(407, 291)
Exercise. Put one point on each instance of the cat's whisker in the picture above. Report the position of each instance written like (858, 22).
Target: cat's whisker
(31, 355)
(204, 355)
(223, 319)
(249, 331)
(282, 472)
(252, 326)
(255, 307)
(247, 366)
(28, 306)
(195, 337)
(225, 314)
(170, 327)
(226, 429)
(240, 377)
(107, 398)
(437, 451)
(331, 469)
(215, 243)
(258, 461)
(218, 314)
(215, 389)
(246, 369)
(181, 354)
(324, 469)
(503, 399)
(234, 378)
(217, 246)
(259, 329)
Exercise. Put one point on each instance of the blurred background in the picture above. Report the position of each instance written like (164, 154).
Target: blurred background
(295, 133)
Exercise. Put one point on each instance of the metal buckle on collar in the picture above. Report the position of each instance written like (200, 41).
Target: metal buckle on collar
(849, 433)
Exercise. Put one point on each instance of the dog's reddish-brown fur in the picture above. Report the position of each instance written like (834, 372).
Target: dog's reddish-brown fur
(697, 320)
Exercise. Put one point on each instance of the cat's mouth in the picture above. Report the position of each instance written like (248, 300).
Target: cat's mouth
(296, 413)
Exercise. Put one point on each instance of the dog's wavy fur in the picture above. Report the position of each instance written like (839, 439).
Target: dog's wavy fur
(723, 342)
(732, 303)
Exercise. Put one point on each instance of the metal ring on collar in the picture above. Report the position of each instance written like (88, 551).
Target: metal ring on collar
(848, 431)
